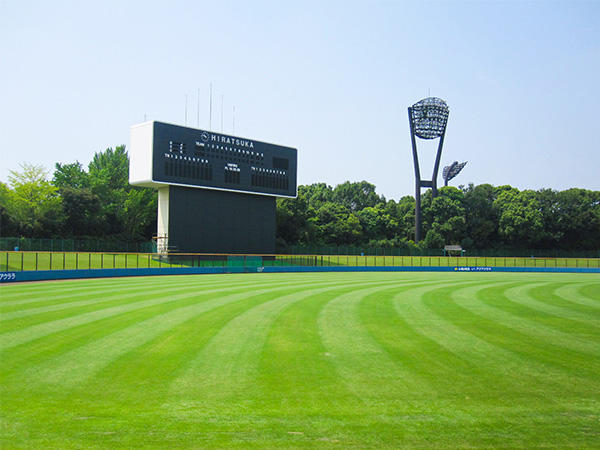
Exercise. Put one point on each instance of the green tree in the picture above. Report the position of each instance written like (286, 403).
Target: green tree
(577, 218)
(356, 195)
(70, 175)
(406, 217)
(316, 194)
(550, 210)
(445, 215)
(292, 220)
(336, 225)
(8, 226)
(130, 212)
(83, 213)
(83, 208)
(377, 223)
(520, 218)
(34, 204)
(481, 217)
(433, 238)
(139, 213)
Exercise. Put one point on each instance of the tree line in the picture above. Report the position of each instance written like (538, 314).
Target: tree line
(99, 203)
(76, 203)
(475, 217)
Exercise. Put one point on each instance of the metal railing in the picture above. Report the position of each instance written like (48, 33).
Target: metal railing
(416, 251)
(43, 260)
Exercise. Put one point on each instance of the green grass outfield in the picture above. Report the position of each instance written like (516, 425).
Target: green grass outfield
(20, 261)
(335, 360)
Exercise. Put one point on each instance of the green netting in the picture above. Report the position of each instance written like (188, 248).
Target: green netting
(244, 261)
(73, 245)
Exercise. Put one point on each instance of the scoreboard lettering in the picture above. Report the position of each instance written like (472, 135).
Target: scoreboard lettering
(164, 154)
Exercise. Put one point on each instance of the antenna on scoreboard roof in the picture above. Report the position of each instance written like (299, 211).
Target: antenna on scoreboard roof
(210, 109)
(186, 96)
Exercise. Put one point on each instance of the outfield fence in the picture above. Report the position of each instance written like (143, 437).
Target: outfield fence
(73, 245)
(417, 251)
(19, 261)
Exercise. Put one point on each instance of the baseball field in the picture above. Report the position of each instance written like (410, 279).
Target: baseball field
(323, 360)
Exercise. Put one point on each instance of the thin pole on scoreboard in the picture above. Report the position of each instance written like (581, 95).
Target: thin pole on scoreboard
(210, 109)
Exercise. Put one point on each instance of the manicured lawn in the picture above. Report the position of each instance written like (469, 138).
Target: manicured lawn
(336, 360)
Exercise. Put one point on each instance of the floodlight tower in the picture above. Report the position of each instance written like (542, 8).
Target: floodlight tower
(427, 119)
(452, 170)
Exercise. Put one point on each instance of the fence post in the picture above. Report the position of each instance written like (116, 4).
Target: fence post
(36, 261)
(102, 260)
(77, 261)
(64, 258)
(22, 256)
(50, 260)
(89, 260)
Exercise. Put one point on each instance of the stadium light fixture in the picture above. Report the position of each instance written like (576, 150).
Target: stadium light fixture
(428, 119)
(452, 170)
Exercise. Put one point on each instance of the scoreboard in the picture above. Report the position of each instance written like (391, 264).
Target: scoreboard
(164, 154)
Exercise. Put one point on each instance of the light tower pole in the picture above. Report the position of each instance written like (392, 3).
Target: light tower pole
(427, 119)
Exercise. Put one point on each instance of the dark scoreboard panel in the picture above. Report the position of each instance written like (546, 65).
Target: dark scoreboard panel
(199, 158)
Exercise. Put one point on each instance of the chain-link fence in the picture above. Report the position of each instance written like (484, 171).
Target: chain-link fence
(11, 261)
(415, 251)
(73, 245)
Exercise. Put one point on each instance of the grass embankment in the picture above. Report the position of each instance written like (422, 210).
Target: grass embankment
(18, 261)
(343, 360)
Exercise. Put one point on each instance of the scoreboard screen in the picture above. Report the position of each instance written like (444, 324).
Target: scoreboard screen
(165, 154)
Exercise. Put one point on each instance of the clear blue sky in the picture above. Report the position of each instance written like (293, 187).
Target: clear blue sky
(333, 79)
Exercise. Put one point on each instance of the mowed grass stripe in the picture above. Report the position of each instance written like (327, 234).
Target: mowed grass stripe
(155, 364)
(228, 365)
(72, 367)
(521, 345)
(22, 319)
(547, 294)
(84, 292)
(363, 367)
(22, 335)
(65, 339)
(523, 295)
(27, 329)
(298, 371)
(434, 369)
(580, 293)
(462, 343)
(17, 293)
(512, 314)
(591, 290)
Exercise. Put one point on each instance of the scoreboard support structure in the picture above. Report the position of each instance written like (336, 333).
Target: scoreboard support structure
(216, 193)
